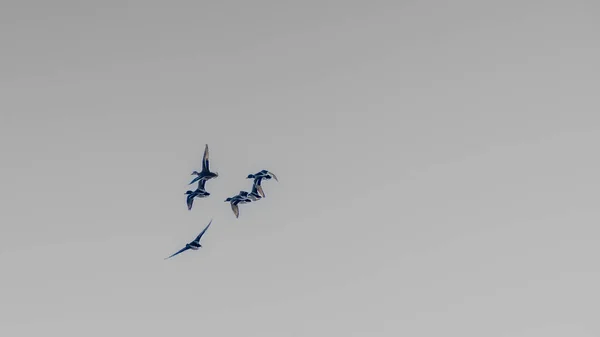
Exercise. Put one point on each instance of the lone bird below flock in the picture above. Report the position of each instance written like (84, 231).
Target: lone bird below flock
(205, 174)
(194, 245)
(200, 192)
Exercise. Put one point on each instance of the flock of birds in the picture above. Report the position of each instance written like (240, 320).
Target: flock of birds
(243, 197)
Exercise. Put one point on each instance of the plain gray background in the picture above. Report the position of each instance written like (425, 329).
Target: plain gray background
(438, 165)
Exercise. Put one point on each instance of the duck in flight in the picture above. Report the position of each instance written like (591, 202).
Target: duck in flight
(194, 245)
(236, 200)
(205, 174)
(200, 192)
(263, 174)
(259, 177)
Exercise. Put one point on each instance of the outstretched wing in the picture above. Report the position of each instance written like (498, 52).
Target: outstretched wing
(180, 251)
(195, 179)
(235, 209)
(260, 190)
(190, 201)
(205, 167)
(257, 188)
(201, 184)
(197, 240)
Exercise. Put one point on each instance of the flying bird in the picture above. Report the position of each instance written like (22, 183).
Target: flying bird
(235, 201)
(259, 177)
(263, 174)
(194, 245)
(200, 192)
(205, 174)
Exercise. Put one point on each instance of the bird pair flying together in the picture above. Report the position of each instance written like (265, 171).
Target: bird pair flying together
(201, 177)
(256, 193)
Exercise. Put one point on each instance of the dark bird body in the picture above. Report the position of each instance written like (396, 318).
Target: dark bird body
(263, 174)
(205, 174)
(200, 192)
(194, 245)
(236, 200)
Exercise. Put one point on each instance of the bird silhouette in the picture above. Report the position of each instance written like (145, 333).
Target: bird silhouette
(194, 245)
(235, 201)
(200, 192)
(205, 173)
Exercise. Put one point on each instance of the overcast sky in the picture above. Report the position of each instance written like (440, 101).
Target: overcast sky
(437, 163)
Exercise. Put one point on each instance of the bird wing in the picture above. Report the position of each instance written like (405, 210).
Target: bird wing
(257, 188)
(190, 201)
(201, 184)
(197, 240)
(205, 167)
(193, 181)
(180, 251)
(235, 209)
(260, 190)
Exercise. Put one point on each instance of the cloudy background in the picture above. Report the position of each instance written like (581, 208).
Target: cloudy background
(438, 166)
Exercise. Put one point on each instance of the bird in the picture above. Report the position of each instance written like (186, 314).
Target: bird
(264, 174)
(194, 245)
(205, 173)
(235, 201)
(258, 178)
(200, 192)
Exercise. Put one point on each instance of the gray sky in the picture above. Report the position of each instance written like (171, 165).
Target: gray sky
(438, 168)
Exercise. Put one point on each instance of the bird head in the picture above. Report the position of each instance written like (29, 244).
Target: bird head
(189, 192)
(250, 176)
(228, 199)
(195, 173)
